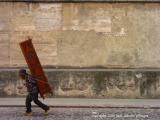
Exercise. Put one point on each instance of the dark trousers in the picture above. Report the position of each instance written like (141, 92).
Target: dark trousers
(34, 97)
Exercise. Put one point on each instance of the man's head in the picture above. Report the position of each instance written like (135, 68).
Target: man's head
(22, 73)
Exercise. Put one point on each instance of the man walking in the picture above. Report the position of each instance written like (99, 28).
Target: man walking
(33, 91)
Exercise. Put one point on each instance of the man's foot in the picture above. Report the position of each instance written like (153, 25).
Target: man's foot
(46, 111)
(27, 114)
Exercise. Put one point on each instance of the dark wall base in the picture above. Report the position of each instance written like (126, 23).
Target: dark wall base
(89, 83)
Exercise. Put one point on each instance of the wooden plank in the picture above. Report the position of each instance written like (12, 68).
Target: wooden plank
(35, 66)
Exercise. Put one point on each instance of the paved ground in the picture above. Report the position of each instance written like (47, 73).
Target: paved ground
(16, 113)
(83, 109)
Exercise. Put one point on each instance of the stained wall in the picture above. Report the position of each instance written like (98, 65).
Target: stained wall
(121, 38)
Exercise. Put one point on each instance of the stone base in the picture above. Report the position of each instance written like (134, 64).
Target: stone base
(89, 83)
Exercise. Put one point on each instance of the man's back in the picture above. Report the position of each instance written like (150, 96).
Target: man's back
(31, 84)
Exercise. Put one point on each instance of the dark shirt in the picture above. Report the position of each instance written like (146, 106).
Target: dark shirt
(31, 84)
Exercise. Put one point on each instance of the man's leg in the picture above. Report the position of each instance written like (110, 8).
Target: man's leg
(39, 103)
(28, 103)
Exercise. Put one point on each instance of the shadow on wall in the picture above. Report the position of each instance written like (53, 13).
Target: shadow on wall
(96, 84)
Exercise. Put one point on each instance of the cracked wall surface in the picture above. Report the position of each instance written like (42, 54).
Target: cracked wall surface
(89, 84)
(118, 35)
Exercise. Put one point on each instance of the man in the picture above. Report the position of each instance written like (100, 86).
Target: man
(32, 88)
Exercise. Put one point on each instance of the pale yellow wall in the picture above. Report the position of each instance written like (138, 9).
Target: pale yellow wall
(82, 34)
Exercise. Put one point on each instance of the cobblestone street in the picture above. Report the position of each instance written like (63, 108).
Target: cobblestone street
(16, 113)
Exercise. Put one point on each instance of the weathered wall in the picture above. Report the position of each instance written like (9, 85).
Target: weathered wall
(89, 83)
(82, 34)
(85, 35)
